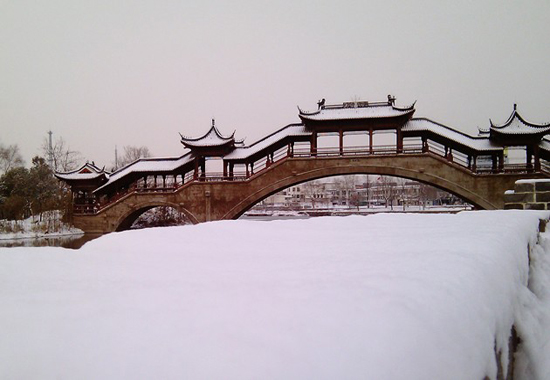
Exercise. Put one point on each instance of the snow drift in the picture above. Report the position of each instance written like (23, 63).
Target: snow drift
(382, 297)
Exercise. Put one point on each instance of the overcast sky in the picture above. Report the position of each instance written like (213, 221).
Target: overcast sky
(103, 73)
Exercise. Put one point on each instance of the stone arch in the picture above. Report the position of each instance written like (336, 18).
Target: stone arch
(127, 219)
(418, 175)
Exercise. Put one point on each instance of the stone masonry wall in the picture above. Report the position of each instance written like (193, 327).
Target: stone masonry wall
(529, 194)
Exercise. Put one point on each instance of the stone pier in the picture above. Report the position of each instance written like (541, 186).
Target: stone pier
(528, 194)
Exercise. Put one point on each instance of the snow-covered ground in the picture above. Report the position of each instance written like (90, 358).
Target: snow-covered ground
(388, 296)
(50, 225)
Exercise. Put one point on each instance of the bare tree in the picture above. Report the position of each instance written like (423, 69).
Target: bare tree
(131, 154)
(388, 189)
(10, 158)
(346, 186)
(426, 193)
(314, 191)
(60, 157)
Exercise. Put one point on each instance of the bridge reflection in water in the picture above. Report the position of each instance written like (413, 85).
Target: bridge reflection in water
(477, 169)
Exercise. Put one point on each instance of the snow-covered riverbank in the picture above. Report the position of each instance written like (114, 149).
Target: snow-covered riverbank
(49, 226)
(381, 297)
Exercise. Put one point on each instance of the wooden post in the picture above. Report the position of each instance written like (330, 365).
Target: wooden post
(370, 140)
(247, 172)
(529, 157)
(399, 141)
(341, 142)
(474, 163)
(196, 171)
(313, 149)
(501, 161)
(537, 158)
(425, 148)
(224, 169)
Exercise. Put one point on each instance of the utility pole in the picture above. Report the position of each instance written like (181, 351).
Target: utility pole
(50, 150)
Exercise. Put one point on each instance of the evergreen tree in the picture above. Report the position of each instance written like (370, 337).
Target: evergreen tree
(14, 194)
(44, 190)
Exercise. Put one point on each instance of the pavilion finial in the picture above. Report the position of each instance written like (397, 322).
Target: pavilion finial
(515, 106)
(213, 122)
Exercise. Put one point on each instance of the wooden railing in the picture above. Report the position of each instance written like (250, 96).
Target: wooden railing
(264, 164)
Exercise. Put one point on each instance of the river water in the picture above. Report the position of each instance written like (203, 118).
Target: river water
(68, 241)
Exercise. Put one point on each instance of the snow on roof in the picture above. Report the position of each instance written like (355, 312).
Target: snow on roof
(147, 165)
(375, 110)
(517, 125)
(544, 144)
(85, 172)
(288, 131)
(476, 143)
(212, 138)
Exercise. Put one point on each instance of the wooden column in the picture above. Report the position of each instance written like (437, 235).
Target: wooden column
(203, 167)
(474, 163)
(537, 158)
(196, 171)
(313, 149)
(341, 142)
(425, 148)
(501, 161)
(529, 157)
(370, 140)
(399, 141)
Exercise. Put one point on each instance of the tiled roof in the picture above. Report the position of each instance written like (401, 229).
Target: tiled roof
(475, 143)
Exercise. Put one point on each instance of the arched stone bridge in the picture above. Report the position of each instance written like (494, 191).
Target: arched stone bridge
(203, 201)
(478, 169)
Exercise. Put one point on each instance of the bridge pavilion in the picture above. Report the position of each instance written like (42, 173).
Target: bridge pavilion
(479, 155)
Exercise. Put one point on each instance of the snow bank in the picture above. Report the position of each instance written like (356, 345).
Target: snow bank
(383, 297)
